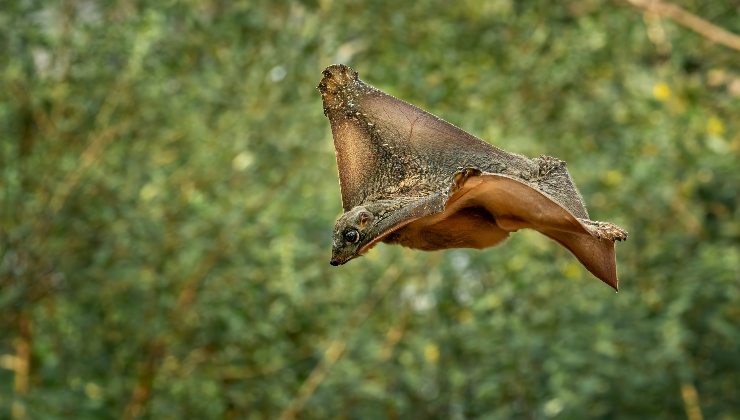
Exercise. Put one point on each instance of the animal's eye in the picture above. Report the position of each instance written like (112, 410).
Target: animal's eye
(351, 236)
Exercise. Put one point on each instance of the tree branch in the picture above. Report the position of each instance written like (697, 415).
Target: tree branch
(689, 20)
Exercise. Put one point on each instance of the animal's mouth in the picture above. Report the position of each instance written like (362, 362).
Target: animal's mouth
(337, 260)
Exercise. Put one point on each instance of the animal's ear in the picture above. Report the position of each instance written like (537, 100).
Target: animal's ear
(363, 218)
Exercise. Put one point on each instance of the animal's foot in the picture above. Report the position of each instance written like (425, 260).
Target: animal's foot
(604, 230)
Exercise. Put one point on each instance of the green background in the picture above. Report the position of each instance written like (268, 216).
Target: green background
(168, 189)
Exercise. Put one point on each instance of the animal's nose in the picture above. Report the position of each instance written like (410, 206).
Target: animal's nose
(334, 262)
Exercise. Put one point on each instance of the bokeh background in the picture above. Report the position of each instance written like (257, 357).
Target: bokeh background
(168, 189)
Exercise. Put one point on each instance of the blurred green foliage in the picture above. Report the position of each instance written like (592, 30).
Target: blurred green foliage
(168, 189)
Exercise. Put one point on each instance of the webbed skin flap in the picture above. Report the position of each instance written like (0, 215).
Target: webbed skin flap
(410, 178)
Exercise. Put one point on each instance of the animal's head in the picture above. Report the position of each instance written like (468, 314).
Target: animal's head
(352, 232)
